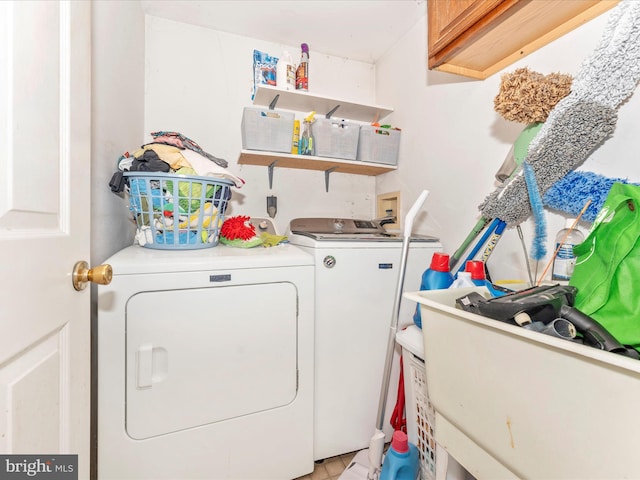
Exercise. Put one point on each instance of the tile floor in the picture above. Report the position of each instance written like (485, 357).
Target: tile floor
(330, 468)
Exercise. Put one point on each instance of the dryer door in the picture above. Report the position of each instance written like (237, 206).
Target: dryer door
(198, 356)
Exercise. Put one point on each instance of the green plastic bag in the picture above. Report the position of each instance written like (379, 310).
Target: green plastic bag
(608, 266)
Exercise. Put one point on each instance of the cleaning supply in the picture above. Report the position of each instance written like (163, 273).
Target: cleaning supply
(437, 276)
(565, 259)
(402, 461)
(239, 232)
(476, 269)
(296, 137)
(302, 73)
(307, 144)
(264, 70)
(463, 280)
(478, 277)
(582, 120)
(286, 72)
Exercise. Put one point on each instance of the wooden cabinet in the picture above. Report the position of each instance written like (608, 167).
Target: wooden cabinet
(477, 38)
(304, 102)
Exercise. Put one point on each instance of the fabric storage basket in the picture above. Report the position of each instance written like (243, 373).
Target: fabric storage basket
(268, 130)
(336, 138)
(378, 145)
(177, 212)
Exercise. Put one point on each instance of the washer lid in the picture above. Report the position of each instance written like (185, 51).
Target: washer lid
(349, 230)
(336, 226)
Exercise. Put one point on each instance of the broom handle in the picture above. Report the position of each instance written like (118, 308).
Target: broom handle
(483, 239)
(391, 341)
(475, 231)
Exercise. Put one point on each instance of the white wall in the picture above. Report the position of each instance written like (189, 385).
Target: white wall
(198, 81)
(117, 116)
(453, 141)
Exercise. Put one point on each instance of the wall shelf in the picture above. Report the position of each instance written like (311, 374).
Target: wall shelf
(327, 165)
(306, 102)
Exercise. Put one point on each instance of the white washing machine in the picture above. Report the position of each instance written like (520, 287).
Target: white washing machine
(356, 276)
(205, 364)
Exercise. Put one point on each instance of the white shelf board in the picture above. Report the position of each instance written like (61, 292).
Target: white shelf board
(306, 102)
(285, 160)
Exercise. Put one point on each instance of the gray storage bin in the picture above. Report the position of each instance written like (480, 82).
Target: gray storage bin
(268, 130)
(378, 145)
(336, 138)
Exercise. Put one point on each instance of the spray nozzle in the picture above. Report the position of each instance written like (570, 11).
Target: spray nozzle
(310, 118)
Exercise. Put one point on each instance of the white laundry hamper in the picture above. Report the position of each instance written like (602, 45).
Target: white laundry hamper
(419, 411)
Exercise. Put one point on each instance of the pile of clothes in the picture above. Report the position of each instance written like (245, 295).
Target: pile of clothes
(171, 152)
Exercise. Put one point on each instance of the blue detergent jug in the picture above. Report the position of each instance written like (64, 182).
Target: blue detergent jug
(436, 277)
(402, 461)
(476, 268)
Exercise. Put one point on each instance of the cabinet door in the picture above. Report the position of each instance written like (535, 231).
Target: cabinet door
(448, 20)
(477, 38)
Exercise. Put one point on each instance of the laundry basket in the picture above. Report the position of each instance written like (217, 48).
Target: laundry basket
(177, 212)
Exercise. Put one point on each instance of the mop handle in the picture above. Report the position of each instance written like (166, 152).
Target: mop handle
(475, 231)
(413, 211)
(488, 232)
(493, 241)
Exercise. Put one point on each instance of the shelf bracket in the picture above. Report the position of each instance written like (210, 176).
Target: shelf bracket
(272, 105)
(271, 167)
(331, 112)
(326, 178)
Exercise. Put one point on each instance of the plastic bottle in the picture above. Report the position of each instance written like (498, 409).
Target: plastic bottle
(307, 144)
(295, 145)
(478, 277)
(302, 73)
(402, 461)
(565, 260)
(436, 277)
(463, 280)
(286, 72)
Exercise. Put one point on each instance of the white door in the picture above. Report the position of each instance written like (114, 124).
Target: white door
(45, 133)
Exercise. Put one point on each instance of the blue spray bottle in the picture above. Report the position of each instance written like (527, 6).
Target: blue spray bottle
(436, 277)
(402, 461)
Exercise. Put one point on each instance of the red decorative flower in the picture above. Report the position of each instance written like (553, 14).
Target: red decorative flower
(238, 227)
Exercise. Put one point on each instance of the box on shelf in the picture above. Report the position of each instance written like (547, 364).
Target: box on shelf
(269, 130)
(378, 145)
(336, 138)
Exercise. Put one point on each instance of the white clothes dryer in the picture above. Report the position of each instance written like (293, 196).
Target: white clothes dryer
(205, 364)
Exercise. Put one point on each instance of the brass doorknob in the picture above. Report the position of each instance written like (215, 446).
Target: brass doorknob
(82, 275)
